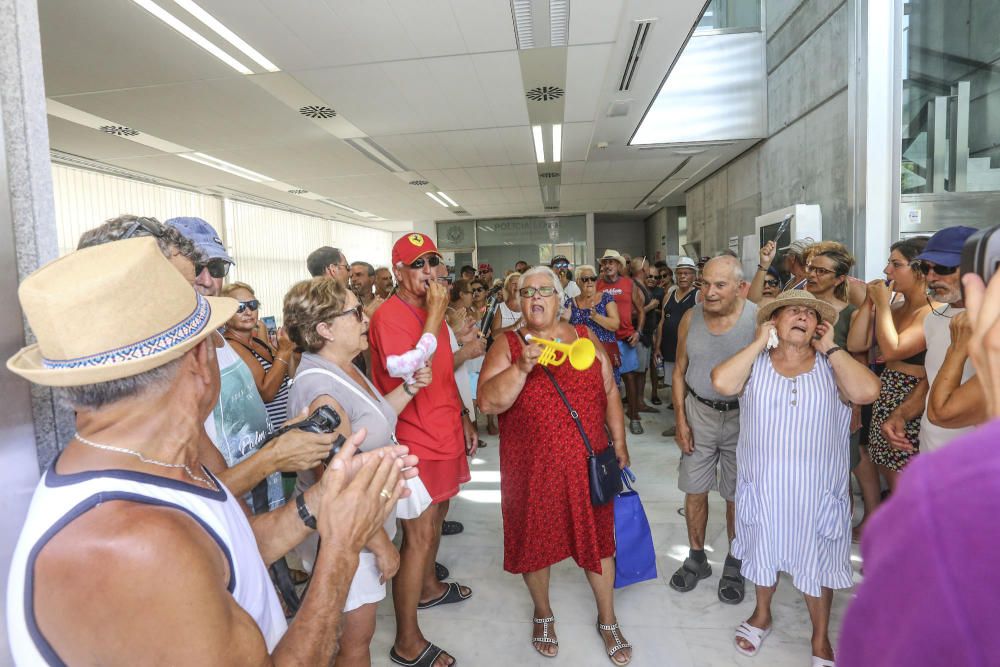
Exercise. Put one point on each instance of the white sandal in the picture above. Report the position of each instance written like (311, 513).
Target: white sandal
(544, 639)
(821, 662)
(755, 636)
(614, 629)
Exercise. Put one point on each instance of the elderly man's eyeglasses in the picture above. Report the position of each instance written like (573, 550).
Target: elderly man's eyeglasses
(151, 226)
(528, 292)
(217, 268)
(358, 311)
(252, 304)
(926, 267)
(819, 271)
(431, 261)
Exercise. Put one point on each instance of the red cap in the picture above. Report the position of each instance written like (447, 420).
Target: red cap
(412, 246)
(485, 268)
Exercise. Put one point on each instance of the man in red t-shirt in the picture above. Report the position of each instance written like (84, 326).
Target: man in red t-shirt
(435, 426)
(620, 288)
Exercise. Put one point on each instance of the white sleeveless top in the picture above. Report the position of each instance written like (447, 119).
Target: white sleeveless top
(59, 499)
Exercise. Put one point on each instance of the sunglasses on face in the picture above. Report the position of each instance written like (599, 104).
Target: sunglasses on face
(771, 283)
(478, 290)
(431, 261)
(528, 292)
(151, 226)
(358, 311)
(217, 268)
(587, 279)
(926, 267)
(252, 304)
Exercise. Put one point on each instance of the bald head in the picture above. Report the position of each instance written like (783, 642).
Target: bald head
(724, 265)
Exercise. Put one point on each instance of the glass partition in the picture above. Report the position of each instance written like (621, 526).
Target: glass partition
(505, 241)
(729, 15)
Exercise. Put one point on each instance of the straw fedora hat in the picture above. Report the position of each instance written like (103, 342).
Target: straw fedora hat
(610, 253)
(798, 297)
(109, 312)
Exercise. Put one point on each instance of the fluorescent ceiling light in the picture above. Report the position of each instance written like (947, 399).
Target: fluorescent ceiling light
(559, 22)
(557, 142)
(229, 167)
(523, 30)
(435, 198)
(227, 34)
(176, 24)
(376, 153)
(344, 206)
(447, 198)
(536, 131)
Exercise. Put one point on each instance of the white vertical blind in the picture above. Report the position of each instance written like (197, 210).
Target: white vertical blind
(85, 199)
(269, 245)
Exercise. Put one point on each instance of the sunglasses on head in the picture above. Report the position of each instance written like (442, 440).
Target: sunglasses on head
(528, 292)
(926, 267)
(252, 304)
(358, 311)
(151, 226)
(431, 261)
(217, 268)
(587, 279)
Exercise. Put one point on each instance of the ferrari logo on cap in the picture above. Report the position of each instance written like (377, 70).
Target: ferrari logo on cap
(417, 239)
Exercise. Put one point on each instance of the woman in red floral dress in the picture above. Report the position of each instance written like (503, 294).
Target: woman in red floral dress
(544, 487)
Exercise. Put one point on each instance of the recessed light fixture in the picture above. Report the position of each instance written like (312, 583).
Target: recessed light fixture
(536, 132)
(557, 142)
(435, 198)
(447, 198)
(228, 167)
(523, 28)
(227, 34)
(179, 26)
(558, 22)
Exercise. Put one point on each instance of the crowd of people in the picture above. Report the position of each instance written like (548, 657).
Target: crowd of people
(244, 475)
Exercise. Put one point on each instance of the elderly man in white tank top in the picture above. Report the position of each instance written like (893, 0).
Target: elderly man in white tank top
(131, 547)
(708, 423)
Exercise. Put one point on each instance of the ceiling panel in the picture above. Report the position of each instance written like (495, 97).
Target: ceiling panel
(324, 157)
(594, 20)
(518, 144)
(460, 178)
(526, 175)
(505, 176)
(500, 77)
(364, 94)
(79, 140)
(576, 141)
(204, 115)
(486, 25)
(585, 70)
(430, 25)
(572, 172)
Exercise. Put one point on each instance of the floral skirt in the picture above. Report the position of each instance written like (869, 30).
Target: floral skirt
(896, 386)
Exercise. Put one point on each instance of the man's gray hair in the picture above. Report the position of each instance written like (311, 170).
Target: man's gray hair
(550, 274)
(170, 241)
(369, 267)
(322, 257)
(97, 396)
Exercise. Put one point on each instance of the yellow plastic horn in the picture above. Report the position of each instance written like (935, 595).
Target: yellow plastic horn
(581, 352)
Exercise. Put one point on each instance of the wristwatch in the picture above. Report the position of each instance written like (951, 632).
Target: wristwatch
(465, 412)
(304, 513)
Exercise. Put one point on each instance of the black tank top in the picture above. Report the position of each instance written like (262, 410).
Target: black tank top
(673, 311)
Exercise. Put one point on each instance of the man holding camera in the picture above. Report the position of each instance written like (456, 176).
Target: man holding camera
(131, 547)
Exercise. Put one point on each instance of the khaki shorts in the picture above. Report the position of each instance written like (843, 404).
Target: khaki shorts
(712, 465)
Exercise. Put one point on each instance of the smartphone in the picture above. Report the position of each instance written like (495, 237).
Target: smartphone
(981, 253)
(272, 328)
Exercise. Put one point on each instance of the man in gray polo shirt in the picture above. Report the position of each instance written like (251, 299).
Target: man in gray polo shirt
(708, 423)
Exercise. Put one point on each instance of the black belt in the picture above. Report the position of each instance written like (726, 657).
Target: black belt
(721, 406)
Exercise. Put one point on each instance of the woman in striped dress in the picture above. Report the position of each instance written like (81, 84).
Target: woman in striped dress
(271, 367)
(792, 507)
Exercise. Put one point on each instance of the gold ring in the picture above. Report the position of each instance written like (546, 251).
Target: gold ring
(385, 494)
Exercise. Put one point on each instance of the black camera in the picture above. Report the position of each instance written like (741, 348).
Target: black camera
(981, 253)
(323, 420)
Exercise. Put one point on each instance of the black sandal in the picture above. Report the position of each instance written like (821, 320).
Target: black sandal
(441, 572)
(427, 657)
(451, 527)
(689, 574)
(731, 584)
(451, 595)
(655, 400)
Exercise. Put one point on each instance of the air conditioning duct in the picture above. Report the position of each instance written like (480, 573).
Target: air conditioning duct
(642, 29)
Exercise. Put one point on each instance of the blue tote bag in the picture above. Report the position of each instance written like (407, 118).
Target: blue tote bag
(635, 560)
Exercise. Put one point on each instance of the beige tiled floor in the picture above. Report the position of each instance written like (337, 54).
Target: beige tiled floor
(668, 629)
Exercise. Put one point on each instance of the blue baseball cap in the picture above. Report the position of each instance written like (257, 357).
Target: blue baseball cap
(203, 236)
(945, 247)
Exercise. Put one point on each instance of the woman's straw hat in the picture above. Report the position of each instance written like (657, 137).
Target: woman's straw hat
(798, 297)
(109, 312)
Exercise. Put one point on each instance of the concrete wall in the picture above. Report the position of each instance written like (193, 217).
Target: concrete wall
(805, 159)
(627, 236)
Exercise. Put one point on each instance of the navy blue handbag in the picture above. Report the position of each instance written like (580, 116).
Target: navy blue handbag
(635, 559)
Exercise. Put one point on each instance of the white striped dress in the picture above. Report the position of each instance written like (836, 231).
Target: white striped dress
(792, 507)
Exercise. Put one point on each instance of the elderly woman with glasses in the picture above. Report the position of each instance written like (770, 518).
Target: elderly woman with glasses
(327, 320)
(792, 506)
(545, 496)
(271, 366)
(597, 310)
